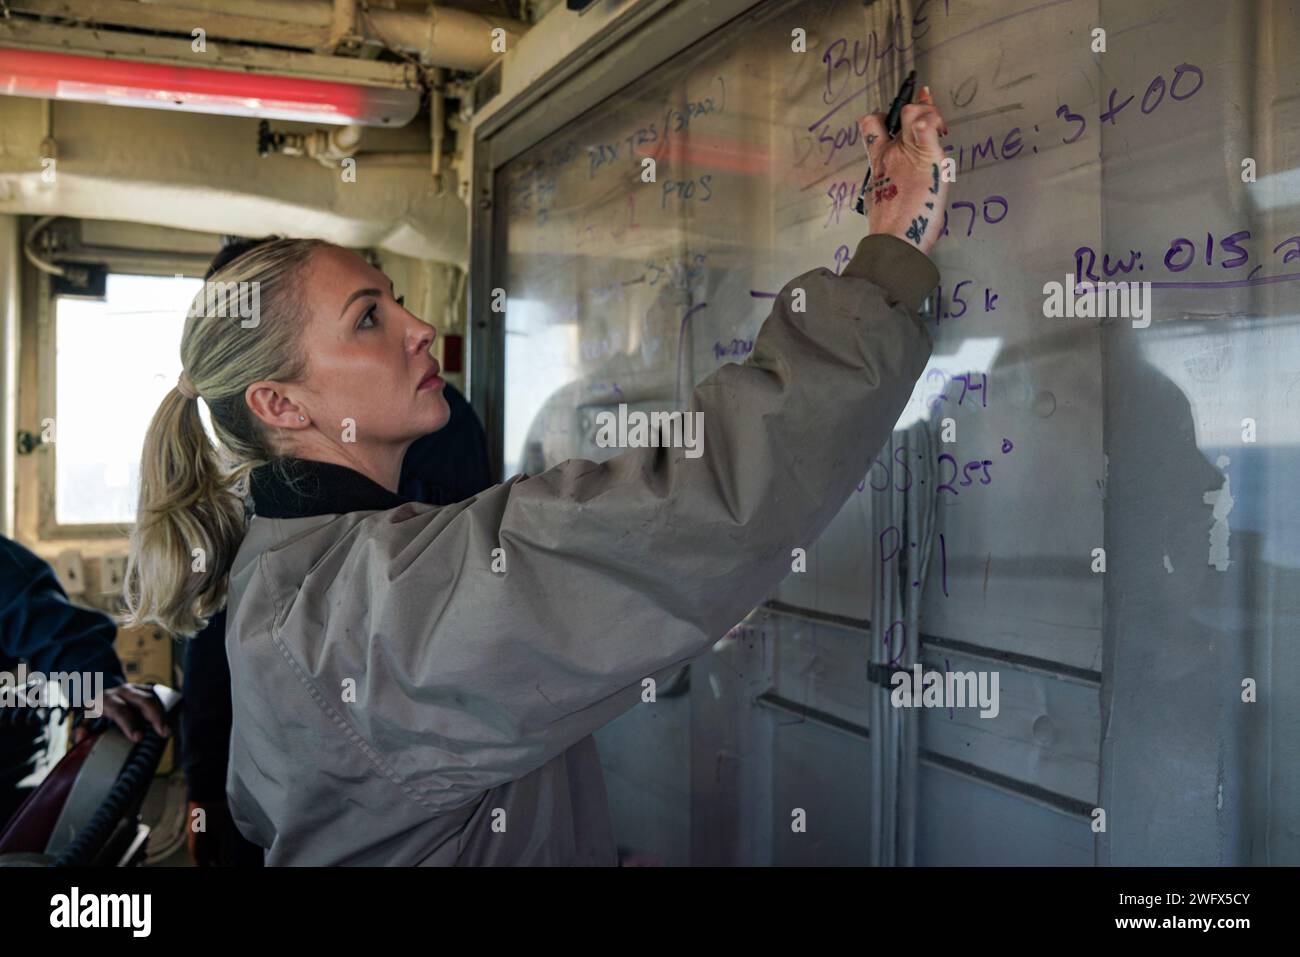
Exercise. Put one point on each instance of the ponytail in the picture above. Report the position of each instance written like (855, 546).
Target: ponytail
(189, 523)
(190, 518)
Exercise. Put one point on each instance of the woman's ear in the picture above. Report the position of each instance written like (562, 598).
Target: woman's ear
(272, 407)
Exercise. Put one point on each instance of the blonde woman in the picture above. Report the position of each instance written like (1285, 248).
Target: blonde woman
(416, 684)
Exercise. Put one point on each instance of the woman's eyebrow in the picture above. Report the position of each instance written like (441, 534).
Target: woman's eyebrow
(357, 295)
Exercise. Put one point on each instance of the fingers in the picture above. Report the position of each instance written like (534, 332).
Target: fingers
(925, 135)
(126, 704)
(927, 99)
(915, 112)
(122, 715)
(147, 703)
(921, 125)
(922, 128)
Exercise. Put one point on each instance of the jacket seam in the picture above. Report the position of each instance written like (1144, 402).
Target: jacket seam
(354, 737)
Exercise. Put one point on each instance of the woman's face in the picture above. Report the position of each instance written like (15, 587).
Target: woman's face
(368, 359)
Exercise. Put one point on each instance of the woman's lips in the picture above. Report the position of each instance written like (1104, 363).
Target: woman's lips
(431, 381)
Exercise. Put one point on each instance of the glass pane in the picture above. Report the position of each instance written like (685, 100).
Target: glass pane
(1127, 559)
(115, 360)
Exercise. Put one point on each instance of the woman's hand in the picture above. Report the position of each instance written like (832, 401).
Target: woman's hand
(906, 197)
(130, 707)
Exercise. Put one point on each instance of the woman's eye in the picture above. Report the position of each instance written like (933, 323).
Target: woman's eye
(367, 320)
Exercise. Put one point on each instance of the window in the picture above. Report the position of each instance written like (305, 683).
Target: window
(114, 362)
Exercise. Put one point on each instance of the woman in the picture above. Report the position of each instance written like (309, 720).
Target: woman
(440, 468)
(416, 684)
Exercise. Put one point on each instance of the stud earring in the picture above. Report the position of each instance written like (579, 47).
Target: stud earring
(301, 419)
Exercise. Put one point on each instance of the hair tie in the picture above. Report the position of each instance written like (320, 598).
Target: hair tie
(185, 387)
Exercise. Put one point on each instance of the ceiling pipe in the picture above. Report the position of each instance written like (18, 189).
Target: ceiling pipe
(45, 266)
(342, 24)
(157, 257)
(438, 36)
(331, 147)
(328, 147)
(285, 23)
(441, 36)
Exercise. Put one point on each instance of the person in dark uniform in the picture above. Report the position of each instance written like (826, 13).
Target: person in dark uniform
(39, 625)
(441, 468)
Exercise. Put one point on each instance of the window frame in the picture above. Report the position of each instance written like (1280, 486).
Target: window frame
(48, 526)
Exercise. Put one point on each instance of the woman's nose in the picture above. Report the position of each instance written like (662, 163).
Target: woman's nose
(421, 335)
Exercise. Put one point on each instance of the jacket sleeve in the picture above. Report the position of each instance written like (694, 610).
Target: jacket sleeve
(40, 625)
(607, 574)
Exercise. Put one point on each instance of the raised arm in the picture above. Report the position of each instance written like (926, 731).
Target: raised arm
(607, 573)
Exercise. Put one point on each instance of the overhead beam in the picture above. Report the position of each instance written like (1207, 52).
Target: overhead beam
(219, 55)
(439, 36)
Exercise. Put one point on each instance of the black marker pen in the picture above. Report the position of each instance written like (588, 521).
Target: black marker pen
(893, 123)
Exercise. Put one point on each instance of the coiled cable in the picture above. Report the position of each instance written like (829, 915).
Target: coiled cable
(130, 786)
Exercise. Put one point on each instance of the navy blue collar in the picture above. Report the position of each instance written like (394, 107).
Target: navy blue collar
(295, 488)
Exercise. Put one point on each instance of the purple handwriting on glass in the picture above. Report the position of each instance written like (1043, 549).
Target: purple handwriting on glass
(602, 230)
(951, 310)
(685, 189)
(675, 120)
(841, 70)
(538, 179)
(897, 655)
(840, 193)
(890, 553)
(971, 382)
(737, 347)
(972, 467)
(1181, 254)
(1186, 82)
(1184, 73)
(897, 473)
(989, 217)
(886, 473)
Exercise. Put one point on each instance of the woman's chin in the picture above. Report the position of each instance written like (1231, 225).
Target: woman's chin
(439, 413)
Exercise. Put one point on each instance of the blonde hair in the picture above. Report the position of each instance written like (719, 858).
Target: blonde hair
(190, 519)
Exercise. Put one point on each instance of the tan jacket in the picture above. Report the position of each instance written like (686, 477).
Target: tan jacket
(396, 701)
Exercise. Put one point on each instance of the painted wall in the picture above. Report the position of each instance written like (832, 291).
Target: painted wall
(197, 172)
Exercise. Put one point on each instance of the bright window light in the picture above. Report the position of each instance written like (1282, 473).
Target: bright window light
(114, 362)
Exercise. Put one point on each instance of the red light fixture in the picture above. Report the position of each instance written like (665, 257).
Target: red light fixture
(67, 76)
